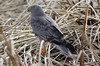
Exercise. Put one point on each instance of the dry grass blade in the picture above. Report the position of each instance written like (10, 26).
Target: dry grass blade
(79, 21)
(8, 49)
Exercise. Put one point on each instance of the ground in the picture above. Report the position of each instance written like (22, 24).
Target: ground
(79, 21)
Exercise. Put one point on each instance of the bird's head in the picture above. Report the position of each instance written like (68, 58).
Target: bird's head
(36, 10)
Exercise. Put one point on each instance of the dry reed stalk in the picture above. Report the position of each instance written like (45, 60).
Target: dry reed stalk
(8, 49)
(14, 19)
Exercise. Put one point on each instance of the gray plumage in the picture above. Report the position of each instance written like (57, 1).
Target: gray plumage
(47, 29)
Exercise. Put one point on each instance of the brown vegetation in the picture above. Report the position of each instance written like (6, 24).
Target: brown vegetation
(78, 20)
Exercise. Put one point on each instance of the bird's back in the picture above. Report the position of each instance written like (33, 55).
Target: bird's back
(46, 28)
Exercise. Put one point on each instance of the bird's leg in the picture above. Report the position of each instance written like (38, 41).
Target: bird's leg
(40, 50)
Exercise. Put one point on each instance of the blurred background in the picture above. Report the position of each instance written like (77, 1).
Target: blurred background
(79, 21)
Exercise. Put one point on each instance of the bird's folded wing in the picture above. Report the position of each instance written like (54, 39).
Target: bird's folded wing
(46, 28)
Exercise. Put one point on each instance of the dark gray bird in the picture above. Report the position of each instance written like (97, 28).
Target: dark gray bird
(47, 29)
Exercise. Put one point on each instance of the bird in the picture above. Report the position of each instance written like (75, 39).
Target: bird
(48, 30)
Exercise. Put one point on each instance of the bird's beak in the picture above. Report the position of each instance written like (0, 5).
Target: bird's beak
(28, 9)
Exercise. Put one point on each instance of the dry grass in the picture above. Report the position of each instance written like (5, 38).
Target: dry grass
(78, 20)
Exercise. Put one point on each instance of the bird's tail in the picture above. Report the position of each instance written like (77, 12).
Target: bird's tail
(64, 47)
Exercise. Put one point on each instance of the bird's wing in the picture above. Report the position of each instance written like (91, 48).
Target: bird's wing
(45, 28)
(53, 22)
